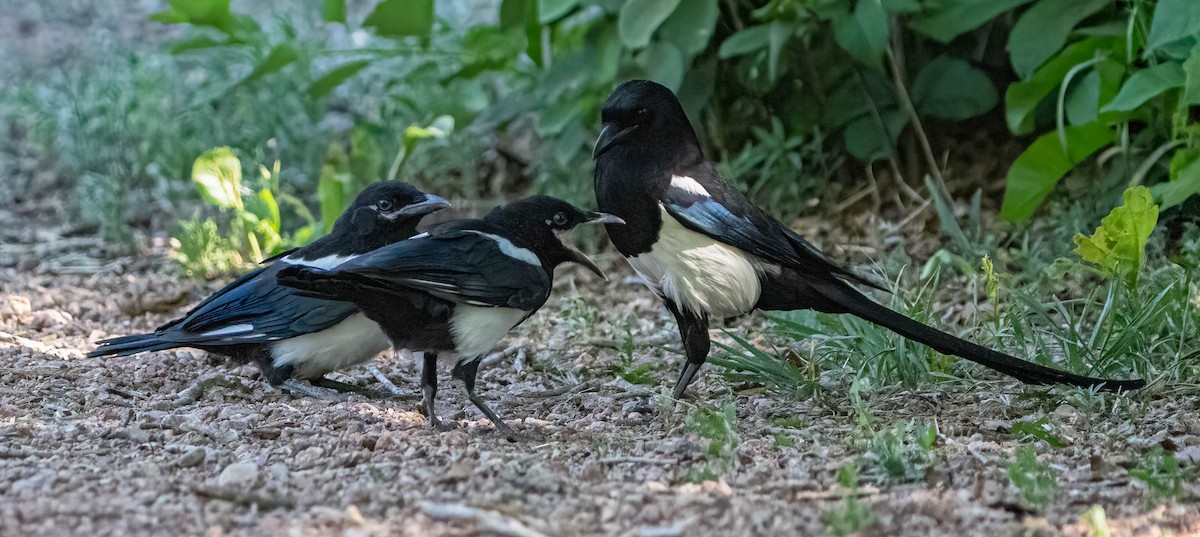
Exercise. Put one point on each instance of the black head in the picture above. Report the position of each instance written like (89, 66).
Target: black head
(641, 114)
(384, 213)
(544, 224)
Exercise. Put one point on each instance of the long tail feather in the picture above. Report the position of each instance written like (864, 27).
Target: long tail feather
(857, 304)
(127, 345)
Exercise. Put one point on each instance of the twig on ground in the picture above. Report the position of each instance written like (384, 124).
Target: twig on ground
(243, 497)
(192, 393)
(489, 521)
(641, 460)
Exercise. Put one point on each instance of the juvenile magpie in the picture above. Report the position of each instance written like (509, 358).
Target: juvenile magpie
(709, 253)
(459, 288)
(291, 336)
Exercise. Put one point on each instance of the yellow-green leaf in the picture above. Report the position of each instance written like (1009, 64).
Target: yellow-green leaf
(1119, 244)
(217, 174)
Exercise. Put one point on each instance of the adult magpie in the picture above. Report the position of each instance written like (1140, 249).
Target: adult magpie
(709, 253)
(288, 335)
(459, 288)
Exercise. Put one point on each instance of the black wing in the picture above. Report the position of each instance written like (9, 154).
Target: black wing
(463, 266)
(727, 216)
(255, 309)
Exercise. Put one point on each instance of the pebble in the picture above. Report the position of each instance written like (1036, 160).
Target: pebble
(238, 474)
(193, 457)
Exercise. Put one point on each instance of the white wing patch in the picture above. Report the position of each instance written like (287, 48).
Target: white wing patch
(353, 341)
(698, 272)
(687, 184)
(231, 330)
(511, 250)
(476, 329)
(323, 263)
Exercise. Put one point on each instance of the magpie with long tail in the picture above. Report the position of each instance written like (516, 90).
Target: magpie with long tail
(461, 287)
(293, 337)
(709, 253)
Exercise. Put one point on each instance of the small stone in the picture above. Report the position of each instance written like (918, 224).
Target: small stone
(277, 473)
(238, 474)
(309, 457)
(192, 458)
(15, 307)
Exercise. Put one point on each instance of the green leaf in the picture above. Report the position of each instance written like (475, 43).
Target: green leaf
(1119, 244)
(271, 216)
(331, 195)
(1083, 99)
(1184, 183)
(778, 34)
(1022, 98)
(949, 88)
(959, 17)
(1034, 173)
(663, 63)
(1191, 70)
(552, 10)
(1173, 20)
(1043, 29)
(745, 41)
(278, 58)
(334, 78)
(195, 43)
(1146, 84)
(334, 10)
(217, 174)
(513, 13)
(639, 18)
(691, 28)
(402, 18)
(863, 138)
(864, 33)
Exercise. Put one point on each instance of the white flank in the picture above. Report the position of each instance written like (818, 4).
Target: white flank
(324, 263)
(511, 250)
(688, 184)
(699, 273)
(236, 329)
(353, 341)
(477, 329)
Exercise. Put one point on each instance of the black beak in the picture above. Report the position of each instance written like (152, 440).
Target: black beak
(431, 204)
(609, 136)
(582, 258)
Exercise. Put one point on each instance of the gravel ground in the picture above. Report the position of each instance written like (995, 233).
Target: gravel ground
(184, 443)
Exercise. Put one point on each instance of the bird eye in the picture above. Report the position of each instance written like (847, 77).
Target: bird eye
(560, 219)
(384, 205)
(643, 114)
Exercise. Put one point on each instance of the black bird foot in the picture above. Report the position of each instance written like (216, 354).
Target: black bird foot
(685, 378)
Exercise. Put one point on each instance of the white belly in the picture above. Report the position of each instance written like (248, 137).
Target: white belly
(699, 273)
(476, 329)
(353, 341)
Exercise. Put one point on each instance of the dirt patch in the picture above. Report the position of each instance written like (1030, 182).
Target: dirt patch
(181, 442)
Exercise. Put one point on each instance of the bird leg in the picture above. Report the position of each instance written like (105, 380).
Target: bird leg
(429, 383)
(466, 372)
(694, 331)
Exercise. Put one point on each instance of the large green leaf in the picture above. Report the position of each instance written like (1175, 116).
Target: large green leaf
(864, 139)
(1184, 183)
(1173, 20)
(217, 174)
(640, 18)
(663, 63)
(1043, 29)
(1146, 84)
(278, 58)
(1191, 68)
(1119, 245)
(951, 18)
(691, 28)
(1022, 98)
(334, 78)
(778, 34)
(745, 41)
(552, 10)
(864, 33)
(950, 88)
(402, 18)
(1035, 173)
(334, 10)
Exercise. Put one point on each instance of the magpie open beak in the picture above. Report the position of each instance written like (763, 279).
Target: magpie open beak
(582, 258)
(609, 136)
(431, 204)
